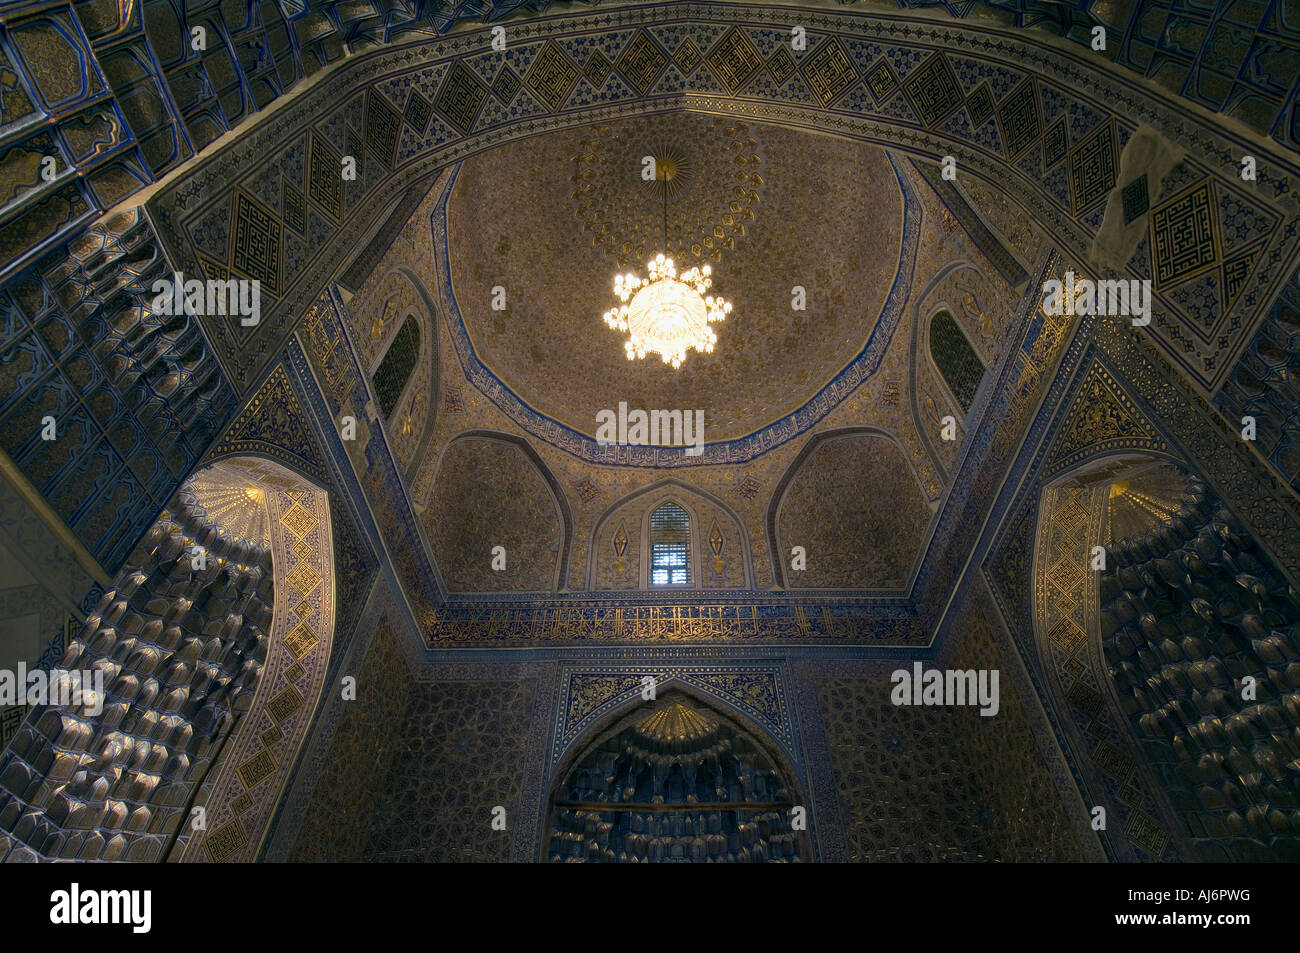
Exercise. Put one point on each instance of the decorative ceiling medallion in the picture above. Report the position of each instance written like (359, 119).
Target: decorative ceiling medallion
(492, 361)
(674, 172)
(714, 162)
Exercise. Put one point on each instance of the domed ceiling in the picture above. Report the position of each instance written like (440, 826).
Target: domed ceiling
(552, 220)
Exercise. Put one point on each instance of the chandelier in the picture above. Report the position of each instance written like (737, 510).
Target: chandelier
(666, 314)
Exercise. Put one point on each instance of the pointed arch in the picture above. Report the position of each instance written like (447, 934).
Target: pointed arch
(431, 355)
(814, 444)
(954, 357)
(662, 778)
(214, 643)
(698, 504)
(432, 512)
(397, 367)
(1144, 652)
(668, 537)
(402, 360)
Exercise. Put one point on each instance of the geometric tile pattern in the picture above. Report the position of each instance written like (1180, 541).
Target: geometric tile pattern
(734, 59)
(383, 126)
(781, 65)
(1145, 831)
(356, 149)
(300, 640)
(257, 769)
(552, 76)
(1018, 114)
(1235, 273)
(1055, 144)
(325, 178)
(642, 61)
(295, 209)
(980, 105)
(1080, 106)
(473, 734)
(1093, 166)
(224, 842)
(303, 579)
(933, 89)
(506, 85)
(597, 69)
(688, 57)
(1065, 593)
(1136, 199)
(1183, 235)
(461, 97)
(272, 423)
(271, 733)
(1103, 418)
(588, 695)
(256, 243)
(285, 703)
(418, 111)
(829, 71)
(298, 520)
(881, 80)
(888, 761)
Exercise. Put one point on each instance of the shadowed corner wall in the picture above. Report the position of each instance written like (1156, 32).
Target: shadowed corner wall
(45, 590)
(327, 813)
(916, 783)
(412, 769)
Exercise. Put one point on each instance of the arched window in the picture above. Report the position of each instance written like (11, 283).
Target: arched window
(670, 546)
(956, 359)
(396, 367)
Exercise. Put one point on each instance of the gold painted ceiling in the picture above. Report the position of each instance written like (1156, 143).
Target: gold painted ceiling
(768, 207)
(538, 231)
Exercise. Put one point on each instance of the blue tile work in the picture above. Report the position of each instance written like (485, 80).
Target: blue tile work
(66, 147)
(159, 81)
(1070, 91)
(118, 95)
(136, 397)
(1238, 59)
